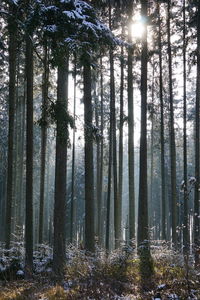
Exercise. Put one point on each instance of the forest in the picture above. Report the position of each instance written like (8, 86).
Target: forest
(99, 149)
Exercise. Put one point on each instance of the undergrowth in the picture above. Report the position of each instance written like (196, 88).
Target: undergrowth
(99, 276)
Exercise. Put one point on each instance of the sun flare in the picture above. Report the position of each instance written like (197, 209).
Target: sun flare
(137, 29)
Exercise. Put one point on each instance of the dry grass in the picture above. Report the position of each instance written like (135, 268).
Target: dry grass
(109, 278)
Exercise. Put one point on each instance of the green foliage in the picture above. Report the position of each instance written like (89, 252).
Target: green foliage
(53, 113)
(93, 132)
(74, 27)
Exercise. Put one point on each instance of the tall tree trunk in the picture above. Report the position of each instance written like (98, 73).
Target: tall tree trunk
(196, 196)
(73, 199)
(89, 169)
(59, 256)
(97, 203)
(172, 133)
(152, 209)
(121, 124)
(162, 133)
(29, 159)
(22, 171)
(185, 218)
(98, 165)
(101, 216)
(2, 202)
(43, 142)
(12, 27)
(131, 132)
(143, 232)
(143, 204)
(117, 204)
(108, 200)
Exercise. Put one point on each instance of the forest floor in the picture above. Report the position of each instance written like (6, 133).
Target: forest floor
(101, 277)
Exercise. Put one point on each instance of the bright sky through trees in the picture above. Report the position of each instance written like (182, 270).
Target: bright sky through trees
(137, 29)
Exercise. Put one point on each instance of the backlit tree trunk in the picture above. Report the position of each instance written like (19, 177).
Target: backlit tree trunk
(43, 142)
(172, 133)
(197, 152)
(12, 50)
(59, 256)
(29, 158)
(89, 169)
(131, 132)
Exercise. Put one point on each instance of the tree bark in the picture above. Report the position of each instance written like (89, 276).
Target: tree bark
(73, 199)
(101, 215)
(131, 132)
(146, 268)
(12, 27)
(143, 204)
(185, 188)
(89, 169)
(59, 255)
(29, 159)
(196, 195)
(162, 132)
(117, 204)
(43, 142)
(121, 122)
(172, 133)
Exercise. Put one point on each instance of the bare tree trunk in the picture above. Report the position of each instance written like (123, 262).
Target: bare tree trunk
(143, 204)
(196, 196)
(89, 169)
(59, 256)
(73, 199)
(108, 201)
(117, 204)
(131, 132)
(185, 218)
(172, 134)
(101, 215)
(121, 124)
(12, 27)
(152, 209)
(29, 159)
(143, 232)
(43, 142)
(162, 133)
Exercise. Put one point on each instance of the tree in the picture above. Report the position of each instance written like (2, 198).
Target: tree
(73, 199)
(162, 133)
(143, 232)
(172, 132)
(117, 204)
(196, 195)
(185, 189)
(100, 193)
(142, 210)
(89, 168)
(29, 152)
(12, 52)
(43, 140)
(59, 255)
(131, 130)
(121, 122)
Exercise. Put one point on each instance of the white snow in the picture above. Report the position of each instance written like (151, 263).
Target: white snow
(20, 273)
(173, 296)
(69, 14)
(51, 28)
(192, 180)
(161, 286)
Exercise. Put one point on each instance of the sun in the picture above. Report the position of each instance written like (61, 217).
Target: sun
(137, 29)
